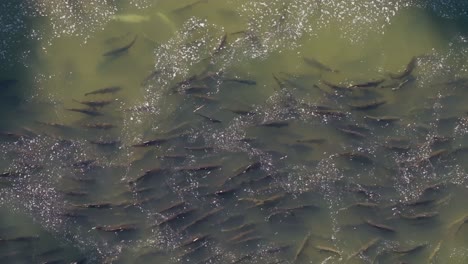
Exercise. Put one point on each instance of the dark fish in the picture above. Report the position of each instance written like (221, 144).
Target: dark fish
(365, 248)
(153, 142)
(366, 84)
(151, 77)
(408, 70)
(190, 89)
(195, 239)
(332, 113)
(52, 124)
(103, 126)
(177, 216)
(410, 249)
(201, 148)
(327, 249)
(88, 112)
(352, 133)
(221, 45)
(420, 216)
(201, 167)
(95, 104)
(265, 202)
(201, 218)
(205, 97)
(384, 119)
(189, 6)
(211, 119)
(107, 90)
(301, 247)
(381, 227)
(9, 174)
(121, 50)
(368, 105)
(277, 124)
(147, 174)
(106, 143)
(242, 81)
(317, 64)
(312, 140)
(172, 207)
(117, 228)
(96, 205)
(241, 235)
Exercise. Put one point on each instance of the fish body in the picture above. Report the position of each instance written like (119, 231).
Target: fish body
(121, 50)
(107, 90)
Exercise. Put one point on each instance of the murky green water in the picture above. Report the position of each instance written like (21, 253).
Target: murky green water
(233, 131)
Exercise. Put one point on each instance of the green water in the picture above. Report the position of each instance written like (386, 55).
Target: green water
(255, 120)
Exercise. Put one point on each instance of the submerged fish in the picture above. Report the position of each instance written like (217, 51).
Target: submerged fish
(408, 70)
(89, 112)
(107, 90)
(121, 50)
(130, 18)
(317, 64)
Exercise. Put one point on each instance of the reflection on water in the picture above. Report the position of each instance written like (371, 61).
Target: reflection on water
(233, 132)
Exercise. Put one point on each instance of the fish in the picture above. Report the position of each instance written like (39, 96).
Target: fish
(383, 119)
(189, 6)
(289, 211)
(195, 239)
(365, 248)
(205, 97)
(366, 84)
(434, 252)
(367, 105)
(106, 90)
(311, 140)
(201, 219)
(410, 249)
(277, 124)
(95, 205)
(239, 228)
(328, 250)
(352, 133)
(89, 112)
(152, 142)
(301, 247)
(117, 228)
(265, 202)
(420, 216)
(242, 81)
(241, 235)
(221, 45)
(95, 104)
(177, 216)
(130, 18)
(121, 50)
(200, 167)
(211, 119)
(175, 206)
(317, 64)
(334, 86)
(243, 170)
(191, 89)
(381, 227)
(107, 143)
(357, 156)
(53, 124)
(146, 175)
(102, 126)
(413, 63)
